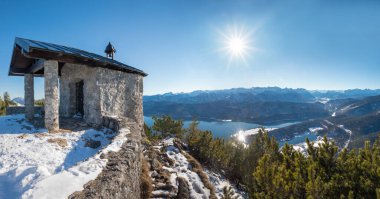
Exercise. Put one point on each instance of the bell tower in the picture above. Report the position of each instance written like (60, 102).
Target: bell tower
(110, 50)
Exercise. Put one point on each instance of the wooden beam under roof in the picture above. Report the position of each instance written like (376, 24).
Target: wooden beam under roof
(35, 67)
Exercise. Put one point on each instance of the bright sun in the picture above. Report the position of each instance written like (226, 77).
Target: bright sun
(237, 46)
(237, 43)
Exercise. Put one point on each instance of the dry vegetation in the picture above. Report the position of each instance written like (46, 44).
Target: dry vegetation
(145, 179)
(60, 141)
(40, 135)
(197, 168)
(22, 136)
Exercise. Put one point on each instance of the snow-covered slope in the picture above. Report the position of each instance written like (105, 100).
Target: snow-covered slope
(37, 164)
(179, 166)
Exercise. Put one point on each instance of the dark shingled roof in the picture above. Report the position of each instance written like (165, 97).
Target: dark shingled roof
(26, 53)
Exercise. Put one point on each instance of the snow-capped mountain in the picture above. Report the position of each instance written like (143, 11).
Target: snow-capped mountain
(269, 105)
(19, 101)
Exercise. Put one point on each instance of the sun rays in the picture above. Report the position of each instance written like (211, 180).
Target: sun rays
(237, 44)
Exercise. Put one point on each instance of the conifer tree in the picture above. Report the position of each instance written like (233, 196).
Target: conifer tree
(167, 126)
(2, 106)
(7, 99)
(265, 171)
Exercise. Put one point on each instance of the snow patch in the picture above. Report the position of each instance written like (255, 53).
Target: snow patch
(349, 107)
(34, 166)
(302, 147)
(182, 168)
(16, 124)
(315, 129)
(220, 182)
(241, 135)
(347, 131)
(323, 100)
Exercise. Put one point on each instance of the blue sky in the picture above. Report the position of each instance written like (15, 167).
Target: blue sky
(300, 44)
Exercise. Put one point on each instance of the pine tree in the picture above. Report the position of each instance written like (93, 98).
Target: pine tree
(167, 126)
(267, 172)
(148, 131)
(2, 106)
(7, 99)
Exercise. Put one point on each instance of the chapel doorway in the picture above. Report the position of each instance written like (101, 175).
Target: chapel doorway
(79, 97)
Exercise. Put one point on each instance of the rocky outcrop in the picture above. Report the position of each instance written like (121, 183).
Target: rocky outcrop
(176, 174)
(121, 177)
(171, 172)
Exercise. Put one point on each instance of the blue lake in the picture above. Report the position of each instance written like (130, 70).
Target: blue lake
(223, 129)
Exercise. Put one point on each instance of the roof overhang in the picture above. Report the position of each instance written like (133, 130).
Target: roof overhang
(28, 54)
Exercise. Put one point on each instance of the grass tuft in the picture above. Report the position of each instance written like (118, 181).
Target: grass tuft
(146, 186)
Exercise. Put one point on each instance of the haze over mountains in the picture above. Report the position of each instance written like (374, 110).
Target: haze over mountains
(351, 123)
(268, 105)
(261, 94)
(348, 117)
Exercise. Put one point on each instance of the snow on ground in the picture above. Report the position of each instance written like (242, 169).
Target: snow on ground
(349, 107)
(323, 100)
(16, 124)
(315, 129)
(328, 122)
(241, 135)
(220, 182)
(182, 168)
(302, 147)
(347, 131)
(34, 165)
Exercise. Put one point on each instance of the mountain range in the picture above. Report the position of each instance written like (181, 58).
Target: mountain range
(352, 122)
(262, 105)
(348, 117)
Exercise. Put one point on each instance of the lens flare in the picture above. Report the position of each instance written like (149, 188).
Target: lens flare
(237, 46)
(238, 43)
(241, 136)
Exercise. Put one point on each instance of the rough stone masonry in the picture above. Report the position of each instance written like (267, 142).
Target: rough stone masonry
(29, 96)
(103, 91)
(51, 95)
(121, 177)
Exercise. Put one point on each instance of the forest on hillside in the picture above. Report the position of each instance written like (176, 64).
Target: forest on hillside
(6, 101)
(264, 170)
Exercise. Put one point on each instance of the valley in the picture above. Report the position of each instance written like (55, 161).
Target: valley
(348, 117)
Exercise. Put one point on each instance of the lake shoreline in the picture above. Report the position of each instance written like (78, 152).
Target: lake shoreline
(257, 122)
(225, 129)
